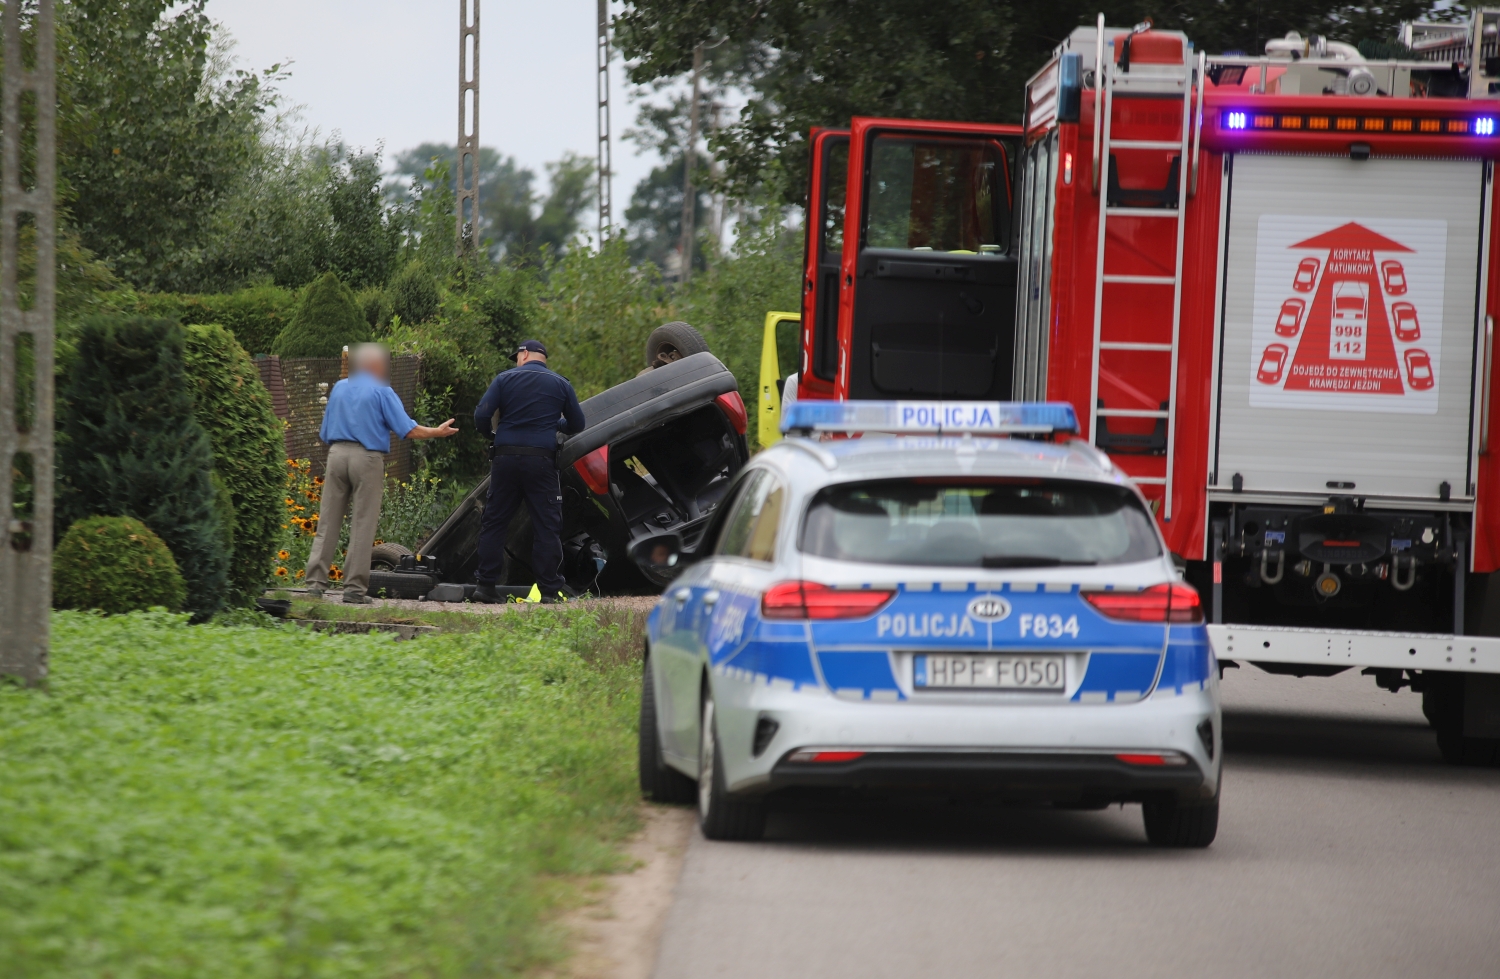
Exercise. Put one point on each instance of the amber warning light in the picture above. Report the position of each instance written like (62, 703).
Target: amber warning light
(1240, 120)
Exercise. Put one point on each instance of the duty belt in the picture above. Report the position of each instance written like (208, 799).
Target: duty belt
(523, 450)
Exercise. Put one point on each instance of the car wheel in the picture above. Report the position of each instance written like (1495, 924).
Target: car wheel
(660, 782)
(721, 815)
(387, 556)
(1170, 822)
(1443, 703)
(673, 341)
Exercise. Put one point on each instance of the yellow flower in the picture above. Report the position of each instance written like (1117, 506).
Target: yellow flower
(283, 554)
(301, 575)
(281, 572)
(290, 501)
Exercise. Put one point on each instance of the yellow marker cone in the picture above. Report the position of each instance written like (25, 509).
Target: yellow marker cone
(535, 596)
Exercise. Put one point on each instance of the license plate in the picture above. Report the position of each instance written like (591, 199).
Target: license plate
(963, 670)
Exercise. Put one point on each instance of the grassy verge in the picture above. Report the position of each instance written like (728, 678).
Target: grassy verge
(203, 801)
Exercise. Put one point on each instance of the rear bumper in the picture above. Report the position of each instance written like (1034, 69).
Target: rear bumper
(1349, 648)
(1046, 775)
(1054, 749)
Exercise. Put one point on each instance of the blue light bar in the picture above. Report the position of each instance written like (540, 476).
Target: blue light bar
(1234, 120)
(1484, 126)
(957, 417)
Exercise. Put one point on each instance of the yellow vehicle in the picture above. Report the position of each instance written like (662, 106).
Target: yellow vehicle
(780, 344)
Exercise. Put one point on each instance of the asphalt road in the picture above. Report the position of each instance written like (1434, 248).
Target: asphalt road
(1346, 848)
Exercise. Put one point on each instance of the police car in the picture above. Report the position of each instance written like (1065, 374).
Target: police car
(962, 601)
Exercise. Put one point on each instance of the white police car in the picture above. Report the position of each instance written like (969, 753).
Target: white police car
(942, 613)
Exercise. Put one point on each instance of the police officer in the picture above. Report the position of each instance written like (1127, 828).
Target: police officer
(534, 404)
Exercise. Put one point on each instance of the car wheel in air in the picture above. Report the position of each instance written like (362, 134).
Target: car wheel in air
(1172, 823)
(721, 815)
(659, 781)
(387, 556)
(673, 341)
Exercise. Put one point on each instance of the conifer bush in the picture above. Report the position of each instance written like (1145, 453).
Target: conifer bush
(234, 408)
(327, 320)
(116, 565)
(132, 446)
(414, 293)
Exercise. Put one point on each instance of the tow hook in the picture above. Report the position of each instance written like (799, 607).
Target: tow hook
(1411, 577)
(1265, 573)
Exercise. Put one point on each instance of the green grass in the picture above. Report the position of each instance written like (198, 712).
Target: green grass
(207, 801)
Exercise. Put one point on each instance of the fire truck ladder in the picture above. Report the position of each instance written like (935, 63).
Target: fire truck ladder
(1109, 78)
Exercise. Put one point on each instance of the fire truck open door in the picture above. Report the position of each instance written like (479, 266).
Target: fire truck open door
(928, 273)
(1349, 312)
(821, 257)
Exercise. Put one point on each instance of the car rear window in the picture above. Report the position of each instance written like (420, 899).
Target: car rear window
(981, 523)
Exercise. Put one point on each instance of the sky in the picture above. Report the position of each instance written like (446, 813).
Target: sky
(387, 71)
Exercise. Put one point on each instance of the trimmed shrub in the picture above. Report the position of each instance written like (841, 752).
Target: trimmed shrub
(132, 447)
(116, 565)
(375, 306)
(414, 293)
(327, 319)
(256, 315)
(234, 408)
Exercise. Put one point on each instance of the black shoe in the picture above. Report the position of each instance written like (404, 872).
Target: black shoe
(561, 598)
(360, 599)
(485, 595)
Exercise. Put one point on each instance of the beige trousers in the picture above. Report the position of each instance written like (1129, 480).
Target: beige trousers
(353, 480)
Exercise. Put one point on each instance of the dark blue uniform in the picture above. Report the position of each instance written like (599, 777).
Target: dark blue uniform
(534, 404)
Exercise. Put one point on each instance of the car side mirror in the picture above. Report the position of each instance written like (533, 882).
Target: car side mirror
(663, 553)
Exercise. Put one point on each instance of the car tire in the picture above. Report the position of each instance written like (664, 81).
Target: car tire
(1443, 704)
(660, 782)
(387, 556)
(673, 341)
(1171, 823)
(722, 816)
(392, 584)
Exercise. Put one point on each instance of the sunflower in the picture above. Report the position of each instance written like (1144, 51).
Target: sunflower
(283, 554)
(281, 572)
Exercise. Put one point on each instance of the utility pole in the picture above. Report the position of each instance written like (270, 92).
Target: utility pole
(468, 126)
(689, 194)
(602, 91)
(26, 385)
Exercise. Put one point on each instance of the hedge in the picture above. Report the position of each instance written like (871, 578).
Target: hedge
(234, 408)
(115, 565)
(256, 315)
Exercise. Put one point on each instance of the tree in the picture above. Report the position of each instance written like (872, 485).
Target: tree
(132, 447)
(514, 218)
(654, 215)
(148, 143)
(328, 320)
(810, 63)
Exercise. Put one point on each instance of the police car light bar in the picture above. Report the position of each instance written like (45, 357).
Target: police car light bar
(929, 417)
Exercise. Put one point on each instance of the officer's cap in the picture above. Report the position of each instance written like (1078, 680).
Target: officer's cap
(535, 346)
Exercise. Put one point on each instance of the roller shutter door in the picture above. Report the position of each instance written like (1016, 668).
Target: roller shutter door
(1349, 320)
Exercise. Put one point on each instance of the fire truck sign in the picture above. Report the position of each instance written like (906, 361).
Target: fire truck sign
(1348, 313)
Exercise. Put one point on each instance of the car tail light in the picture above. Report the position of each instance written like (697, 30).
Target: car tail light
(1169, 758)
(825, 756)
(810, 600)
(594, 468)
(1159, 603)
(734, 406)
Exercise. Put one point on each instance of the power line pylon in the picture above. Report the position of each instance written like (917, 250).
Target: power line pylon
(26, 383)
(467, 219)
(602, 91)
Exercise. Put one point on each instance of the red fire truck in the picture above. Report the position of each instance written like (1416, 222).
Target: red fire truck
(1206, 256)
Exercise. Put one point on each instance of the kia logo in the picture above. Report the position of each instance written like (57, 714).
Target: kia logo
(989, 608)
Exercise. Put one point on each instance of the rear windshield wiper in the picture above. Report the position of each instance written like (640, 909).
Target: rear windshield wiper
(1030, 561)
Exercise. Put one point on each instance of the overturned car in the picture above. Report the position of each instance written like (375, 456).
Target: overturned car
(656, 456)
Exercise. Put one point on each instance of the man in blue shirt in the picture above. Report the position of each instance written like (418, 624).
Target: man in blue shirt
(532, 405)
(362, 413)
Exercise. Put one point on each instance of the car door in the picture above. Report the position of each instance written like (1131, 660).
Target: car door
(822, 255)
(687, 611)
(928, 275)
